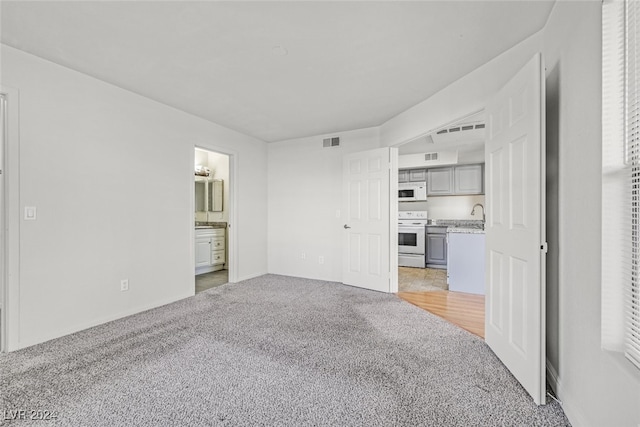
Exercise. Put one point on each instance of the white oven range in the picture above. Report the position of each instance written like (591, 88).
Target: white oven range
(411, 238)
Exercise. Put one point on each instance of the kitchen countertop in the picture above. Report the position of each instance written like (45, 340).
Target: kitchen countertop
(465, 230)
(468, 226)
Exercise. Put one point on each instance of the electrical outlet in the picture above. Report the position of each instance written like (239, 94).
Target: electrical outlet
(303, 255)
(320, 260)
(124, 285)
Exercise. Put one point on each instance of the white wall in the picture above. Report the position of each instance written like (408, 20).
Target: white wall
(446, 207)
(597, 387)
(305, 193)
(111, 174)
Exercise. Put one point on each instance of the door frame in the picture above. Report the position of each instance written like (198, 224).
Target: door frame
(232, 228)
(10, 224)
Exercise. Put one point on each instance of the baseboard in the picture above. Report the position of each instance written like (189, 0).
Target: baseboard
(575, 416)
(99, 321)
(250, 276)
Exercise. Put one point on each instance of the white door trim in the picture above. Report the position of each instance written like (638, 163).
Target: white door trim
(393, 219)
(232, 227)
(10, 221)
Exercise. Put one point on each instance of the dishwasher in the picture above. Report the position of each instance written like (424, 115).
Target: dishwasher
(436, 246)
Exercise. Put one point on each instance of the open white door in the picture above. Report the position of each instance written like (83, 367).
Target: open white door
(515, 234)
(368, 237)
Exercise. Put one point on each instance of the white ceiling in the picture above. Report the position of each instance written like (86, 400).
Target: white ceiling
(349, 65)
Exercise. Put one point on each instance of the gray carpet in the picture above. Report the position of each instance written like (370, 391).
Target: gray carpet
(271, 351)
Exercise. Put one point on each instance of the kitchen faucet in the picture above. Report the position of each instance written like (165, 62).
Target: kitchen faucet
(473, 210)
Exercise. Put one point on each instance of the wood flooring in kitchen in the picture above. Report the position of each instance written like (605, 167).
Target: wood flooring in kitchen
(427, 289)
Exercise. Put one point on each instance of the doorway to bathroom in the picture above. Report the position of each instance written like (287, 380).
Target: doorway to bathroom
(212, 214)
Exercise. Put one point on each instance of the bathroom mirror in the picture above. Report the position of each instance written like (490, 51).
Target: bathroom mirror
(208, 193)
(201, 188)
(214, 202)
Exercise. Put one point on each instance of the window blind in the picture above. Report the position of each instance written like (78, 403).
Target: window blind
(632, 142)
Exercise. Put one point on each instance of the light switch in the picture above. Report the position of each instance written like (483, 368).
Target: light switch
(29, 213)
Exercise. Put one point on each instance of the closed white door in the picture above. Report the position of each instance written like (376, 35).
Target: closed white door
(368, 237)
(514, 158)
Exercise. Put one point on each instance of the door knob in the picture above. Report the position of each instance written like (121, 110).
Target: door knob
(346, 226)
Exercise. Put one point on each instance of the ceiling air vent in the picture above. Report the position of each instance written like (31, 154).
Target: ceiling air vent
(428, 157)
(331, 142)
(463, 132)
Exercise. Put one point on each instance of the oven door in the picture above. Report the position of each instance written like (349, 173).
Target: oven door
(411, 239)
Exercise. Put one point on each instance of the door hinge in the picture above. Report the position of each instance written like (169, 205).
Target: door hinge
(544, 247)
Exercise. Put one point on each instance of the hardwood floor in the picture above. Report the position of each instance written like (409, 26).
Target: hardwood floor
(464, 310)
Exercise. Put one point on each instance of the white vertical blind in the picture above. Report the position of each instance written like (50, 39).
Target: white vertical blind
(632, 130)
(616, 203)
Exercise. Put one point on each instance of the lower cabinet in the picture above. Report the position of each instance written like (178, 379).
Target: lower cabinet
(210, 250)
(436, 247)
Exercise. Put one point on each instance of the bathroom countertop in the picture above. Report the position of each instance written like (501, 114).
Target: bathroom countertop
(204, 225)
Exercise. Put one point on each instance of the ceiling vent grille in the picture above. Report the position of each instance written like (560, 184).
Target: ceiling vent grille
(430, 157)
(459, 128)
(331, 142)
(470, 131)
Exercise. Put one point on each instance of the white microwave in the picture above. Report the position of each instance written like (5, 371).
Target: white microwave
(412, 191)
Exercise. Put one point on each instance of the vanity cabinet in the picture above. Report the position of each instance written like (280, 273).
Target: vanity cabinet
(210, 250)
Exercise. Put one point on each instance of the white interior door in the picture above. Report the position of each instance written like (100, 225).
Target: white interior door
(368, 234)
(515, 237)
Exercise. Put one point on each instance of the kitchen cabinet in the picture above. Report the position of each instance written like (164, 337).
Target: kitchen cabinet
(448, 180)
(210, 250)
(455, 180)
(412, 175)
(436, 247)
(440, 181)
(469, 179)
(417, 175)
